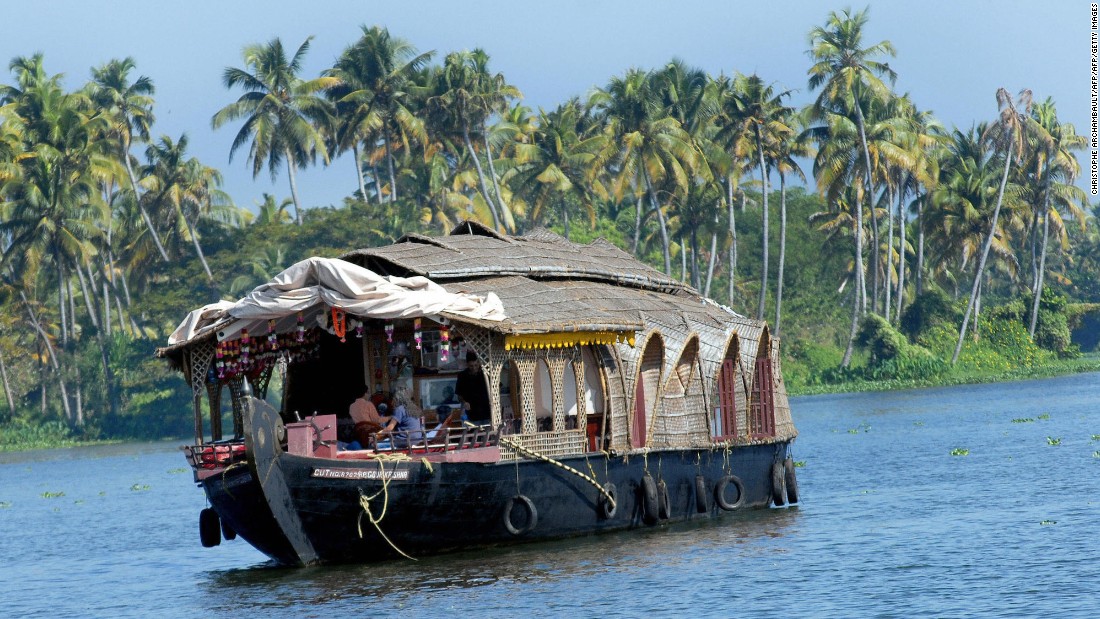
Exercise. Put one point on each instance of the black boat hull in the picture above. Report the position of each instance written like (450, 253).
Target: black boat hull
(422, 509)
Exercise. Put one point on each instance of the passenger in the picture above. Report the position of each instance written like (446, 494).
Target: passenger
(473, 391)
(366, 418)
(404, 426)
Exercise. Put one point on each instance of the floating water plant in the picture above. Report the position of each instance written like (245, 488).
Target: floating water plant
(177, 471)
(1023, 420)
(1054, 441)
(1044, 416)
(1048, 522)
(863, 427)
(52, 495)
(1096, 437)
(139, 487)
(1096, 454)
(4, 505)
(960, 451)
(799, 463)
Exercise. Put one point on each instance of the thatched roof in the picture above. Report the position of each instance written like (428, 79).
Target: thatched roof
(472, 251)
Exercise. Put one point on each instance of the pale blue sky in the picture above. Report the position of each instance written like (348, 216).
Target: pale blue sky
(952, 56)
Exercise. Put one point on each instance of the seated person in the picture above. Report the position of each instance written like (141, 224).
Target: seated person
(366, 418)
(403, 426)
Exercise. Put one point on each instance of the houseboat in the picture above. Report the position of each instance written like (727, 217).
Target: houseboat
(616, 398)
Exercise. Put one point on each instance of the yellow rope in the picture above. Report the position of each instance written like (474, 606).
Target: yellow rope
(226, 470)
(534, 454)
(364, 502)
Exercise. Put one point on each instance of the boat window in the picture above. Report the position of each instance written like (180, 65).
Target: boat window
(544, 397)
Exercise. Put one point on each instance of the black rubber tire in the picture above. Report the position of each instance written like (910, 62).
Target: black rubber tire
(605, 508)
(777, 485)
(791, 481)
(228, 533)
(701, 495)
(532, 515)
(720, 493)
(650, 504)
(664, 504)
(210, 533)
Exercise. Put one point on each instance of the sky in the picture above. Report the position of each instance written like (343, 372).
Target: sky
(951, 56)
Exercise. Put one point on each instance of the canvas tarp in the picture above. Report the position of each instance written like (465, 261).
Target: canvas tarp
(314, 282)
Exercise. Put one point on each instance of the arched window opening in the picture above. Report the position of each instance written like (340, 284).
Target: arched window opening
(544, 397)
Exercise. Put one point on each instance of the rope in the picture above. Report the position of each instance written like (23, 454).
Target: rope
(364, 502)
(226, 470)
(566, 467)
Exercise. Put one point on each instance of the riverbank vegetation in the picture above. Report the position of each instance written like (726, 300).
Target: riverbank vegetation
(919, 254)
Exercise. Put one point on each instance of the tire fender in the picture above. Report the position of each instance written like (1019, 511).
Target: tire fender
(777, 485)
(720, 493)
(605, 508)
(791, 480)
(528, 506)
(664, 505)
(701, 494)
(650, 506)
(210, 533)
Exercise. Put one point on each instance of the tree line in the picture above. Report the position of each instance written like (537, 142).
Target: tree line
(99, 218)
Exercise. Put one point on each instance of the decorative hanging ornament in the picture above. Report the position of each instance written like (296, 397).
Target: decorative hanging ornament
(301, 328)
(417, 334)
(245, 348)
(340, 324)
(444, 343)
(389, 333)
(358, 328)
(272, 337)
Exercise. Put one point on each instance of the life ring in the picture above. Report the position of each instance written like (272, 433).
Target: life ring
(701, 494)
(650, 504)
(664, 505)
(720, 493)
(777, 484)
(607, 507)
(791, 481)
(532, 515)
(210, 533)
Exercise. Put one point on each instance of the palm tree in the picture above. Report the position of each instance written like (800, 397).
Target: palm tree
(130, 108)
(850, 79)
(652, 147)
(372, 95)
(559, 165)
(794, 144)
(1056, 170)
(272, 211)
(279, 110)
(463, 97)
(764, 114)
(1010, 134)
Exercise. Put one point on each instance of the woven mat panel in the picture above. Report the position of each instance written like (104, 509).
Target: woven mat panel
(550, 444)
(198, 359)
(784, 424)
(578, 378)
(526, 362)
(610, 360)
(555, 360)
(699, 413)
(668, 429)
(629, 357)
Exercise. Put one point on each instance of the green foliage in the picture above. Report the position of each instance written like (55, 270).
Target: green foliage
(928, 309)
(891, 354)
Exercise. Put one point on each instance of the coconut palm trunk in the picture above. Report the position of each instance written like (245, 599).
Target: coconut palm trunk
(108, 377)
(764, 226)
(981, 261)
(920, 244)
(901, 259)
(480, 175)
(52, 356)
(292, 170)
(887, 284)
(782, 250)
(141, 207)
(1042, 269)
(660, 220)
(493, 171)
(198, 248)
(389, 164)
(359, 172)
(7, 387)
(856, 307)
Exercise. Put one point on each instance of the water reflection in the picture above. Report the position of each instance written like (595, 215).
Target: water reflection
(644, 554)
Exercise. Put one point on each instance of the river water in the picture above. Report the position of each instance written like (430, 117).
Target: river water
(891, 525)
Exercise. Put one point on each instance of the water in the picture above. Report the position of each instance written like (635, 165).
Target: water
(891, 525)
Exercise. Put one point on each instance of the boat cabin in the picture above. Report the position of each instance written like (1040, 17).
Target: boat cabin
(582, 349)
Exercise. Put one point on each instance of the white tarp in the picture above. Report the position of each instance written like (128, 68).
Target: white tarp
(336, 283)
